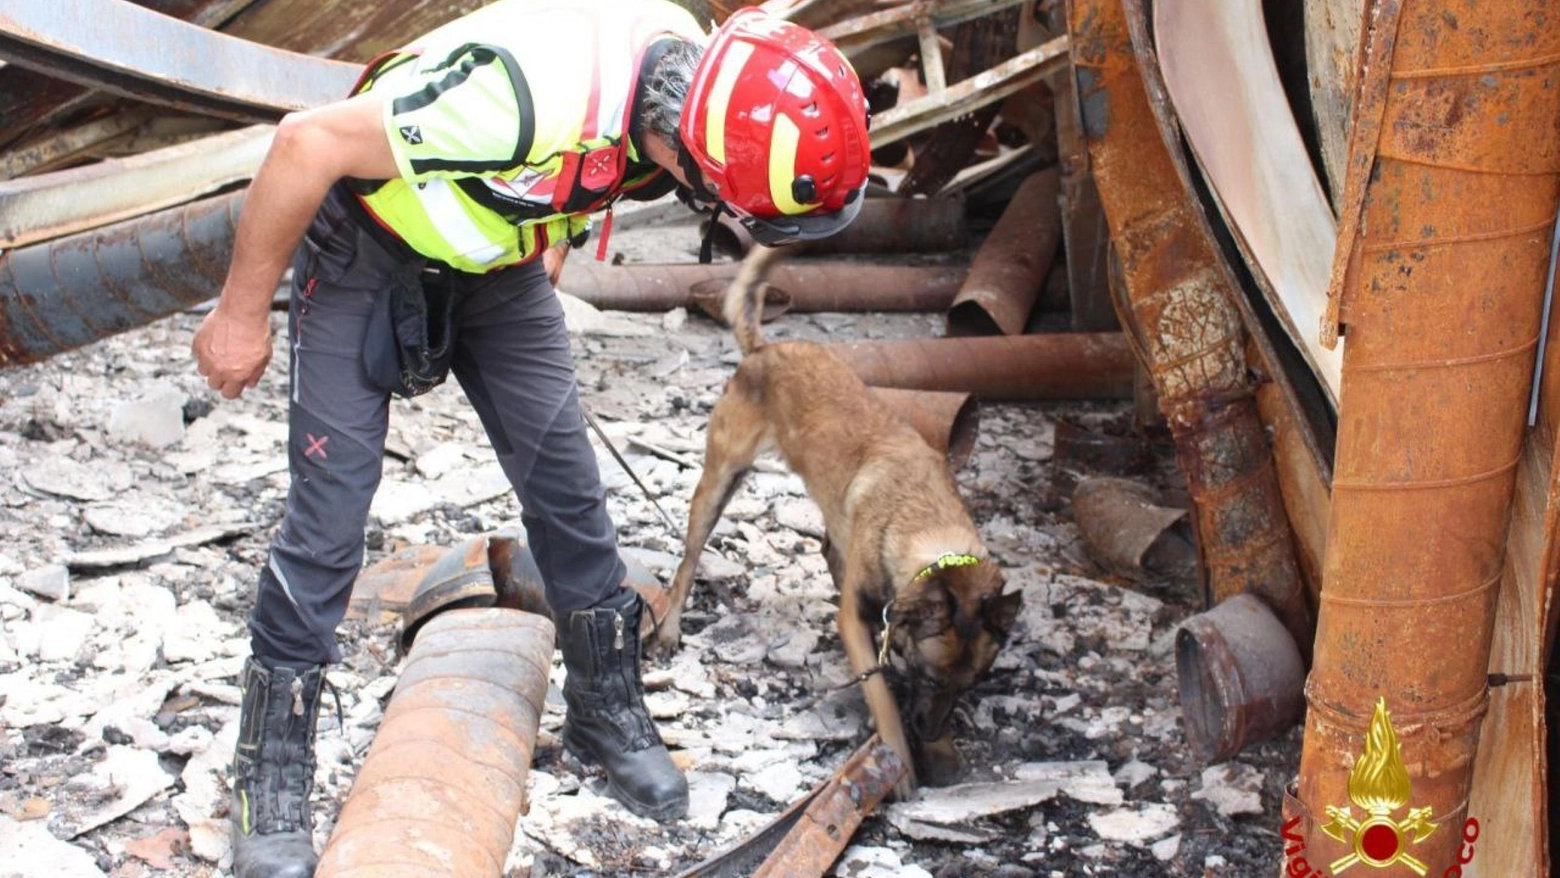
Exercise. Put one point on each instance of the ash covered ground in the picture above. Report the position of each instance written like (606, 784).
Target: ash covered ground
(137, 507)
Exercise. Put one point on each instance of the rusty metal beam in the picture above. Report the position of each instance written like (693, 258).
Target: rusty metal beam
(47, 206)
(864, 31)
(1044, 366)
(1179, 305)
(138, 53)
(806, 839)
(988, 87)
(445, 779)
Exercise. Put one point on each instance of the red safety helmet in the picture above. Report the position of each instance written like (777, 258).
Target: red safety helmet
(776, 120)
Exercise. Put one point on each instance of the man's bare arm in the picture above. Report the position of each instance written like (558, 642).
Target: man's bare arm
(311, 151)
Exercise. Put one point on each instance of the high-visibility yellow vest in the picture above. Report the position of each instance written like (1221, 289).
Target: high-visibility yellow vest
(509, 125)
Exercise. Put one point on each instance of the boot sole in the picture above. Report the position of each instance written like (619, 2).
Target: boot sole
(672, 811)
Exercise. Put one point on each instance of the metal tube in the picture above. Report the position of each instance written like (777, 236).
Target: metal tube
(1180, 309)
(444, 782)
(1448, 203)
(72, 291)
(812, 286)
(1012, 263)
(1045, 366)
(885, 225)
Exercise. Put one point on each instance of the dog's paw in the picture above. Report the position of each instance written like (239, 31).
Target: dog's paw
(667, 640)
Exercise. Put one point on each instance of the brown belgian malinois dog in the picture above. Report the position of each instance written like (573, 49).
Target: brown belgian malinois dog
(906, 557)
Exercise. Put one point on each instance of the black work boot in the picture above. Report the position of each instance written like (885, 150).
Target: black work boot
(607, 723)
(273, 773)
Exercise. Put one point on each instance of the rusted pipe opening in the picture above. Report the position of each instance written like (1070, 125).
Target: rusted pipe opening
(1011, 266)
(1241, 677)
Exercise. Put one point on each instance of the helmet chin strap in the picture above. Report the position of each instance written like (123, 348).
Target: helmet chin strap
(698, 196)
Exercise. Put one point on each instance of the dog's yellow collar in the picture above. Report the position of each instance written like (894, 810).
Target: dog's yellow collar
(944, 561)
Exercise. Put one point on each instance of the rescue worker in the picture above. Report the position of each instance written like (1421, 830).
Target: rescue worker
(435, 207)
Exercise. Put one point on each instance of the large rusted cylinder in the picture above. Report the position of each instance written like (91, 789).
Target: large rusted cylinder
(1449, 203)
(810, 286)
(1046, 366)
(1177, 304)
(72, 291)
(1010, 267)
(885, 225)
(444, 782)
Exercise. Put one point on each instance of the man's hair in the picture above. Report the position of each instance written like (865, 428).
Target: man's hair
(667, 88)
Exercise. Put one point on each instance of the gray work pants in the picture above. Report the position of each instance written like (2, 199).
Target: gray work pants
(512, 359)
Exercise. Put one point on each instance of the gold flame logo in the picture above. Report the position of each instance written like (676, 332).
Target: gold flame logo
(1379, 785)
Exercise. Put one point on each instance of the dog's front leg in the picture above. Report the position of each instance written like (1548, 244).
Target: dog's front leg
(732, 442)
(856, 638)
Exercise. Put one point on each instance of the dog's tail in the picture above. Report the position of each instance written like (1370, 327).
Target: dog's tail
(743, 307)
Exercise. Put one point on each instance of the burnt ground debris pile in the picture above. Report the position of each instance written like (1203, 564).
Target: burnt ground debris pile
(137, 508)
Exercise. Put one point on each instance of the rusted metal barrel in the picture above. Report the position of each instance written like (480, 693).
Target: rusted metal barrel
(885, 225)
(810, 285)
(444, 781)
(949, 422)
(1179, 308)
(1010, 267)
(1046, 366)
(1445, 224)
(75, 290)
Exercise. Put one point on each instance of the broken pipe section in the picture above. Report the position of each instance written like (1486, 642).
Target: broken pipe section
(1177, 305)
(1449, 202)
(1010, 267)
(444, 782)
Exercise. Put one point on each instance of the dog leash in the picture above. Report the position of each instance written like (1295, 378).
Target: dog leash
(601, 434)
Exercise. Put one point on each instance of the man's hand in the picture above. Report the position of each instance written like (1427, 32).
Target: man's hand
(552, 261)
(232, 352)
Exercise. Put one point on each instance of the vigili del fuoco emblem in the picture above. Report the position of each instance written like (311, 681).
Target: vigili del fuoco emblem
(1379, 785)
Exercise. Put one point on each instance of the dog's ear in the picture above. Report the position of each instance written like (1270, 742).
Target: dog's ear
(1001, 611)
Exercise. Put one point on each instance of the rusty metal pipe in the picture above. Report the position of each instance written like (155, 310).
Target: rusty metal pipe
(444, 781)
(811, 286)
(949, 422)
(1179, 309)
(885, 225)
(1240, 676)
(1047, 366)
(71, 291)
(1010, 268)
(1450, 197)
